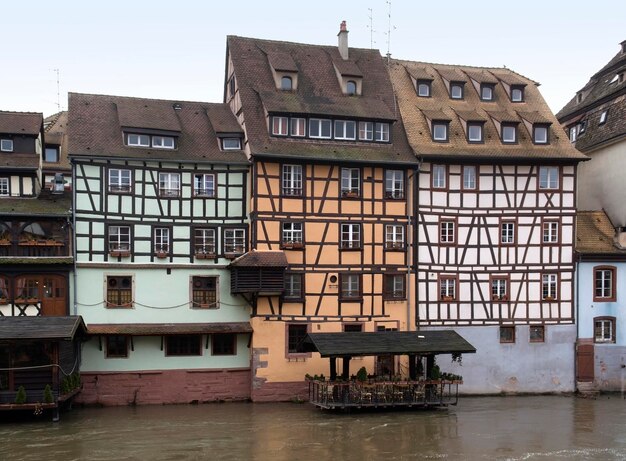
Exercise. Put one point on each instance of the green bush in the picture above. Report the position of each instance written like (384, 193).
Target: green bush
(47, 394)
(361, 375)
(20, 397)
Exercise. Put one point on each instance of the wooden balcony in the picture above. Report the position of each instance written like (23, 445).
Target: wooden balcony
(34, 248)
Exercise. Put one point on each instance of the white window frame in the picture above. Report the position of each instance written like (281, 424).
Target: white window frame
(204, 185)
(120, 180)
(381, 132)
(549, 286)
(603, 285)
(231, 143)
(454, 86)
(234, 241)
(447, 287)
(291, 180)
(140, 140)
(293, 285)
(474, 125)
(350, 181)
(437, 125)
(57, 154)
(603, 117)
(394, 236)
(469, 177)
(537, 131)
(6, 145)
(292, 232)
(499, 288)
(350, 286)
(342, 130)
(507, 232)
(163, 142)
(394, 184)
(119, 238)
(506, 130)
(515, 92)
(486, 87)
(5, 187)
(366, 131)
(447, 231)
(397, 286)
(169, 184)
(162, 237)
(550, 232)
(351, 88)
(439, 176)
(205, 241)
(606, 326)
(318, 125)
(548, 177)
(350, 236)
(423, 85)
(280, 125)
(297, 127)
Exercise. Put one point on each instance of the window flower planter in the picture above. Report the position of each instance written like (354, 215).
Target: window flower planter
(162, 254)
(548, 298)
(447, 298)
(350, 194)
(205, 255)
(119, 253)
(293, 245)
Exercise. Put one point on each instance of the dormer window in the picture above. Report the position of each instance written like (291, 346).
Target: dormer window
(298, 126)
(345, 129)
(486, 91)
(540, 134)
(351, 87)
(320, 128)
(163, 142)
(138, 140)
(579, 97)
(146, 140)
(517, 93)
(366, 131)
(603, 117)
(440, 130)
(456, 90)
(509, 133)
(286, 83)
(474, 132)
(6, 145)
(381, 133)
(231, 143)
(51, 154)
(423, 88)
(280, 126)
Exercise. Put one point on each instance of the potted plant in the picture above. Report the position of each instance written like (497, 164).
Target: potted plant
(20, 396)
(161, 254)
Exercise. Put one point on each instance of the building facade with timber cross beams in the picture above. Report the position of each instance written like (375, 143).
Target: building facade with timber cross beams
(332, 204)
(495, 220)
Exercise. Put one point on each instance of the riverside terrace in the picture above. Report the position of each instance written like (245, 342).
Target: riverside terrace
(386, 392)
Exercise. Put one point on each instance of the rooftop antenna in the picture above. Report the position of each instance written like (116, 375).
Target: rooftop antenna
(58, 91)
(371, 26)
(389, 28)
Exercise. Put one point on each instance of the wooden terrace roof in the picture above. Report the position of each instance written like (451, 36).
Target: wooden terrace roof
(28, 328)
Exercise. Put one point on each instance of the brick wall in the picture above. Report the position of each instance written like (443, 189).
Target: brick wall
(280, 392)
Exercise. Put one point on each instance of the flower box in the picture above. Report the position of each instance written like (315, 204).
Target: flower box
(162, 254)
(447, 298)
(205, 255)
(119, 253)
(348, 194)
(293, 245)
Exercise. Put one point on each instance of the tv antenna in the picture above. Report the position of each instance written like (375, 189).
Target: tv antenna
(371, 27)
(389, 29)
(58, 91)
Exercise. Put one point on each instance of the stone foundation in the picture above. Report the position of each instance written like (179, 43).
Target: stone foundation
(164, 387)
(280, 391)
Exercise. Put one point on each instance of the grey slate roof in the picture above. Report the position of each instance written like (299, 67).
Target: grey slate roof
(96, 121)
(51, 206)
(28, 123)
(28, 328)
(387, 342)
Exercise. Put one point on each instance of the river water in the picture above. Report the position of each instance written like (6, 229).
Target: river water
(479, 428)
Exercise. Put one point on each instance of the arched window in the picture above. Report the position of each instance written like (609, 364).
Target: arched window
(286, 83)
(351, 87)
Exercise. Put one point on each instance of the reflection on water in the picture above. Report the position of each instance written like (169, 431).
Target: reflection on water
(506, 428)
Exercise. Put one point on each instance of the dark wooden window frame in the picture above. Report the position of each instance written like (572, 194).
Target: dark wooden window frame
(113, 286)
(390, 295)
(295, 299)
(199, 193)
(508, 338)
(295, 355)
(342, 296)
(224, 344)
(444, 298)
(547, 221)
(613, 297)
(537, 337)
(613, 321)
(190, 352)
(447, 220)
(108, 347)
(345, 246)
(507, 295)
(204, 293)
(389, 194)
(501, 227)
(558, 287)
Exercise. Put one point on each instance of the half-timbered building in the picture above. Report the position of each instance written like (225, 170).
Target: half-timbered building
(330, 225)
(160, 192)
(495, 219)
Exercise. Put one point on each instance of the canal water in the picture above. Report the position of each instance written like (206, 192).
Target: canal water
(479, 428)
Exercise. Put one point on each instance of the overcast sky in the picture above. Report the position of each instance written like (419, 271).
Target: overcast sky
(176, 49)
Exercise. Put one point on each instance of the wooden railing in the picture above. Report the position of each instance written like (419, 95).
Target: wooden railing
(42, 249)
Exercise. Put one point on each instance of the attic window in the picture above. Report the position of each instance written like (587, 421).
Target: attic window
(138, 140)
(517, 93)
(6, 145)
(486, 91)
(231, 143)
(616, 78)
(146, 140)
(423, 88)
(440, 131)
(51, 154)
(286, 83)
(509, 133)
(351, 87)
(603, 117)
(456, 90)
(579, 97)
(163, 142)
(540, 134)
(475, 132)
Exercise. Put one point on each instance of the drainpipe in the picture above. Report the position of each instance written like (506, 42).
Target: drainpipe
(73, 240)
(414, 210)
(577, 319)
(408, 261)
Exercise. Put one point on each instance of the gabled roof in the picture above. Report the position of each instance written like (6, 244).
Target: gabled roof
(55, 127)
(472, 108)
(27, 123)
(318, 94)
(96, 125)
(595, 234)
(42, 328)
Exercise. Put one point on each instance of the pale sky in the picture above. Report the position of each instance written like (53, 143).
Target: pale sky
(176, 49)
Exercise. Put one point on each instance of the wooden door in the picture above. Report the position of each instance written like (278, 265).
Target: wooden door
(53, 295)
(584, 363)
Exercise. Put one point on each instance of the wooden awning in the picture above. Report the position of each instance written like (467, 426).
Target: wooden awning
(43, 328)
(351, 344)
(163, 329)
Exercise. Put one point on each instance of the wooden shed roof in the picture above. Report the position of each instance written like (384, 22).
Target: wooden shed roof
(28, 328)
(387, 342)
(163, 329)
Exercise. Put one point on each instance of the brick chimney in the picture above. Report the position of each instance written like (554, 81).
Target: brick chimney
(343, 40)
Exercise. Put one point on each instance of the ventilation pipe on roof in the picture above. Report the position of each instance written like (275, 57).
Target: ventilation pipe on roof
(623, 46)
(343, 40)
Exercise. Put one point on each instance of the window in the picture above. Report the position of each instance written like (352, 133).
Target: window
(232, 85)
(366, 131)
(394, 237)
(298, 126)
(350, 287)
(6, 145)
(119, 180)
(116, 347)
(573, 133)
(231, 143)
(119, 291)
(507, 334)
(183, 345)
(423, 88)
(394, 286)
(540, 134)
(350, 236)
(293, 286)
(447, 288)
(279, 126)
(469, 177)
(353, 327)
(296, 332)
(292, 180)
(537, 334)
(161, 240)
(439, 176)
(582, 126)
(51, 155)
(604, 329)
(169, 184)
(456, 90)
(548, 177)
(320, 128)
(549, 287)
(163, 142)
(499, 288)
(350, 182)
(486, 91)
(550, 232)
(286, 83)
(345, 129)
(204, 185)
(604, 284)
(440, 131)
(351, 87)
(292, 235)
(234, 241)
(381, 133)
(447, 233)
(223, 343)
(475, 132)
(204, 292)
(119, 240)
(204, 243)
(394, 184)
(5, 190)
(603, 117)
(509, 134)
(517, 93)
(507, 232)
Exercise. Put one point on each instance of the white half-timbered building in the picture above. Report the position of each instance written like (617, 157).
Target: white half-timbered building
(160, 209)
(495, 218)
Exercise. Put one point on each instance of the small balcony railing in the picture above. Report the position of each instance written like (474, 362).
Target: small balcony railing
(36, 248)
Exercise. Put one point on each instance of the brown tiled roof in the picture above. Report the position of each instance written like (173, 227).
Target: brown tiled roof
(282, 61)
(158, 329)
(481, 76)
(470, 115)
(318, 94)
(436, 115)
(501, 109)
(19, 161)
(595, 234)
(534, 117)
(451, 74)
(95, 128)
(53, 206)
(56, 134)
(222, 120)
(29, 123)
(419, 73)
(256, 258)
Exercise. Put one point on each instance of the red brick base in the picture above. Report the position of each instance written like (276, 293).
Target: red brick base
(161, 387)
(280, 392)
